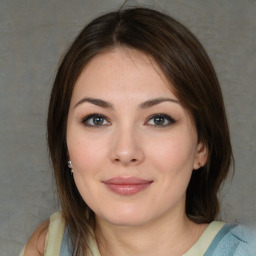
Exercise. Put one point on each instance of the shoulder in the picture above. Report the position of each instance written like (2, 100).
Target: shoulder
(36, 243)
(242, 234)
(47, 237)
(234, 239)
(245, 237)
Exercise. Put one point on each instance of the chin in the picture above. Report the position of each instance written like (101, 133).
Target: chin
(127, 222)
(134, 218)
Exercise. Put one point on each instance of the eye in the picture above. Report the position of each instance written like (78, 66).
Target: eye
(95, 120)
(160, 120)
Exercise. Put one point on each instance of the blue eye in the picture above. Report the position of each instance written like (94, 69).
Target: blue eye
(95, 120)
(160, 120)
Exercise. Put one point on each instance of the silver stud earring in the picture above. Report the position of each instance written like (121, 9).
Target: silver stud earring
(70, 166)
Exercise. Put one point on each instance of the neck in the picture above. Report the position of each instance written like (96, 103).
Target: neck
(170, 237)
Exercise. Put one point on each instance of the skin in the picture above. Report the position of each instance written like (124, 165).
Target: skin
(36, 243)
(125, 139)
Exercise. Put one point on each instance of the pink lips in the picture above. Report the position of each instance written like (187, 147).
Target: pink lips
(127, 186)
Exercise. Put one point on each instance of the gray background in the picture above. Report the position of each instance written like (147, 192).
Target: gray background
(34, 35)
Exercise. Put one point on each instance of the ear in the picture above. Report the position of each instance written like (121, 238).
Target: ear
(201, 156)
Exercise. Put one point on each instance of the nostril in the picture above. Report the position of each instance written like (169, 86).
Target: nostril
(134, 160)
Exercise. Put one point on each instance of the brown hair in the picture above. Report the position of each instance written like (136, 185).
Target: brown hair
(186, 65)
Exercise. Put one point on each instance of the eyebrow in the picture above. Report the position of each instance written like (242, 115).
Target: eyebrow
(153, 102)
(144, 105)
(95, 101)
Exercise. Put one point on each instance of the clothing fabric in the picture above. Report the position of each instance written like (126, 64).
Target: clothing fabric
(218, 239)
(233, 240)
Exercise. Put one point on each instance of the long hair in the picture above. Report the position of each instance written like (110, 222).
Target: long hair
(192, 78)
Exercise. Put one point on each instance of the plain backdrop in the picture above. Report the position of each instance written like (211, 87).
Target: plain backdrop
(34, 35)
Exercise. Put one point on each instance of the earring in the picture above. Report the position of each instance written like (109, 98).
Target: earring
(70, 166)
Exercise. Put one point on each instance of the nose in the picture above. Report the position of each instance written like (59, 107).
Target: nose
(126, 147)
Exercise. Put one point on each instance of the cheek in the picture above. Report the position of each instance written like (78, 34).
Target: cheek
(173, 159)
(85, 151)
(174, 153)
(88, 159)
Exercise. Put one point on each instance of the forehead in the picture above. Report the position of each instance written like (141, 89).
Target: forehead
(122, 71)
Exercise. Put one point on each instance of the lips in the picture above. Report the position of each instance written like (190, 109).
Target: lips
(127, 185)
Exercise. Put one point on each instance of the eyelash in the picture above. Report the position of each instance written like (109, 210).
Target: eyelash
(169, 119)
(103, 118)
(86, 119)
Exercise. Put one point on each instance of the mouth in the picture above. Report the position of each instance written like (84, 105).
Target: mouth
(127, 185)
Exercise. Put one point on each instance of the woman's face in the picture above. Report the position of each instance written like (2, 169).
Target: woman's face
(132, 145)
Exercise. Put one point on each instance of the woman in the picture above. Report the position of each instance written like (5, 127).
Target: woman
(139, 143)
